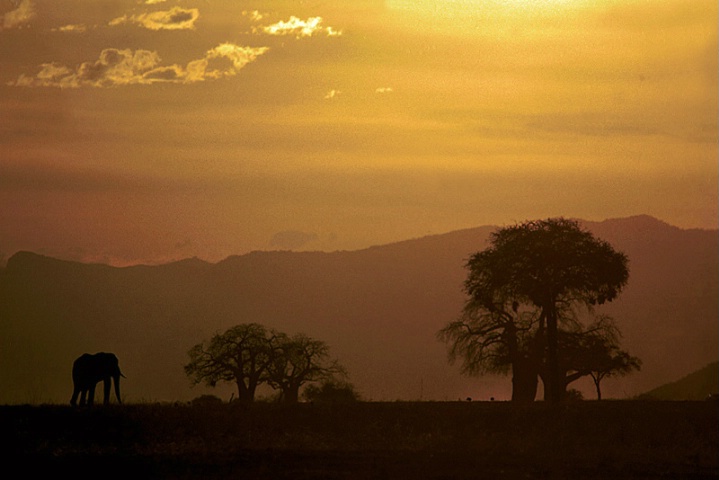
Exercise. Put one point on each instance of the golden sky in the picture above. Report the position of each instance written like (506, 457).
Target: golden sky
(147, 131)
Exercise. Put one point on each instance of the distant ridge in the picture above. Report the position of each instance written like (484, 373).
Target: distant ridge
(378, 308)
(695, 386)
(643, 224)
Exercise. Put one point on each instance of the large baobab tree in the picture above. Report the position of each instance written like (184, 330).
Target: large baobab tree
(297, 360)
(551, 264)
(240, 355)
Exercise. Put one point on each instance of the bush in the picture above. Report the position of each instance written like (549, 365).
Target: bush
(573, 395)
(331, 391)
(205, 401)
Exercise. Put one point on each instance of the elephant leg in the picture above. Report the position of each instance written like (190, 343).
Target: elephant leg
(83, 397)
(106, 391)
(91, 395)
(73, 400)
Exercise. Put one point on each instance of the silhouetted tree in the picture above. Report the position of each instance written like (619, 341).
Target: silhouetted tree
(611, 361)
(507, 339)
(297, 360)
(495, 337)
(586, 351)
(240, 355)
(550, 264)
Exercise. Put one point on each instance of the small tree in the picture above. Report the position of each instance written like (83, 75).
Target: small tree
(297, 360)
(612, 362)
(240, 355)
(593, 351)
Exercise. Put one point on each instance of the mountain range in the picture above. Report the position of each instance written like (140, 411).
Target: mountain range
(378, 309)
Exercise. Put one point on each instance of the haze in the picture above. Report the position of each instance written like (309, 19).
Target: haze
(150, 131)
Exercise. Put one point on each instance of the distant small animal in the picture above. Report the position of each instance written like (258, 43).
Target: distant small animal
(469, 399)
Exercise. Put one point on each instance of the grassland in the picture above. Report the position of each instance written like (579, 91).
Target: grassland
(402, 440)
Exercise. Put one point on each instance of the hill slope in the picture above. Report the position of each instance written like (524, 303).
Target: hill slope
(695, 386)
(379, 309)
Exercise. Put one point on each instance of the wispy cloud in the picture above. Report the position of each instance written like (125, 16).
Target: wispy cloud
(384, 90)
(177, 18)
(332, 94)
(23, 13)
(254, 15)
(239, 56)
(300, 28)
(142, 67)
(77, 28)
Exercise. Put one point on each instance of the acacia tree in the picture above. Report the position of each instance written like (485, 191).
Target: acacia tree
(297, 360)
(611, 361)
(240, 355)
(549, 264)
(584, 350)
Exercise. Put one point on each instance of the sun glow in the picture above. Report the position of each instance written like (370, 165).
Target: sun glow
(456, 8)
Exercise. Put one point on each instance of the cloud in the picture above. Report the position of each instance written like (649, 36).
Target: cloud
(300, 28)
(384, 90)
(332, 94)
(142, 67)
(176, 18)
(24, 12)
(292, 239)
(254, 15)
(78, 28)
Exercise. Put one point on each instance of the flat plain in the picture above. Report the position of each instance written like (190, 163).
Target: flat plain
(613, 439)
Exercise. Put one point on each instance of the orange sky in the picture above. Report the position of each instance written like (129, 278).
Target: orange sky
(146, 131)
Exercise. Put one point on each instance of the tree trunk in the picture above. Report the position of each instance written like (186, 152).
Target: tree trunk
(291, 394)
(244, 394)
(564, 381)
(524, 381)
(599, 390)
(524, 374)
(555, 386)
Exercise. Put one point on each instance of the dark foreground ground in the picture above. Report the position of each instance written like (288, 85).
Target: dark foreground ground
(593, 440)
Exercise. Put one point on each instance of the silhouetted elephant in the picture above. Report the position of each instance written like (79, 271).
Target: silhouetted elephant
(88, 370)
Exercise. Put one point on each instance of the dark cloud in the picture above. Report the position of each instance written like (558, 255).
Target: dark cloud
(167, 74)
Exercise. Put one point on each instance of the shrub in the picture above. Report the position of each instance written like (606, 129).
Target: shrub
(331, 391)
(206, 400)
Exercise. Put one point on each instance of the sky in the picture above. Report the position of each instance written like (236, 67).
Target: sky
(146, 131)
